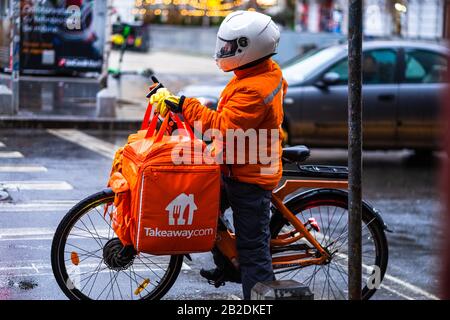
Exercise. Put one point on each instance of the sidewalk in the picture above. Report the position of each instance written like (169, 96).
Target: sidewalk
(54, 102)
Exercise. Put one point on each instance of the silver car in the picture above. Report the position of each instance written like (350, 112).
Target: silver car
(403, 86)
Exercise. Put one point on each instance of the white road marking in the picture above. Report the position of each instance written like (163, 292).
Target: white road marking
(22, 169)
(99, 146)
(46, 266)
(405, 285)
(185, 266)
(10, 154)
(36, 185)
(396, 292)
(17, 232)
(38, 206)
(35, 268)
(411, 287)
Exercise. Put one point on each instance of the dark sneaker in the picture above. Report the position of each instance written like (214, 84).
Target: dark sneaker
(218, 277)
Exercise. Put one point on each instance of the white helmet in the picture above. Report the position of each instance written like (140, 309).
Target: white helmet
(245, 37)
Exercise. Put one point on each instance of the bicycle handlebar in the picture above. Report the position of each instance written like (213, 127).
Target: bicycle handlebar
(159, 86)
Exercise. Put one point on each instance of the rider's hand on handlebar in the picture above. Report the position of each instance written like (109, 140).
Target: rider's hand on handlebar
(165, 101)
(175, 104)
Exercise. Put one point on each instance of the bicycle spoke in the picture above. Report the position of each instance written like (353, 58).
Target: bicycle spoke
(337, 287)
(150, 261)
(84, 254)
(135, 274)
(95, 229)
(334, 230)
(310, 278)
(72, 245)
(86, 237)
(100, 244)
(340, 270)
(97, 271)
(107, 223)
(148, 267)
(92, 236)
(362, 229)
(323, 290)
(328, 230)
(98, 297)
(118, 287)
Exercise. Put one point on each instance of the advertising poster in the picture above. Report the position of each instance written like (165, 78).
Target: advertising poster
(62, 36)
(5, 35)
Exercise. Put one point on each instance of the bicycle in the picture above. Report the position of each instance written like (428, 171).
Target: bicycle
(309, 242)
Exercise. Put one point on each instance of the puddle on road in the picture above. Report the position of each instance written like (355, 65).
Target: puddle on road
(23, 284)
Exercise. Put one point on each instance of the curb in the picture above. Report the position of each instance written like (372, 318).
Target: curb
(84, 123)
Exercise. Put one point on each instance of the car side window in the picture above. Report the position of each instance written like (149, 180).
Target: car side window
(425, 67)
(379, 67)
(341, 68)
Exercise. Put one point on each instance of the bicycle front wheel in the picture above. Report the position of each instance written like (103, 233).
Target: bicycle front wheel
(86, 261)
(330, 209)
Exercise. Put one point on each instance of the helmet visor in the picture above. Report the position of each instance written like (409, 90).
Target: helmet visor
(225, 48)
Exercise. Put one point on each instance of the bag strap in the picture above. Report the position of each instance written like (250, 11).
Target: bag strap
(148, 112)
(159, 135)
(152, 126)
(183, 124)
(162, 129)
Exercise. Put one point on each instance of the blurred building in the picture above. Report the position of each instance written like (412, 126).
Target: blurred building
(382, 18)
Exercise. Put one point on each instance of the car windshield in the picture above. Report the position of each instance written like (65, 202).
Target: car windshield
(301, 69)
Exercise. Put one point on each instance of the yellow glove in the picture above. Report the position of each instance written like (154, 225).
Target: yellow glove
(160, 97)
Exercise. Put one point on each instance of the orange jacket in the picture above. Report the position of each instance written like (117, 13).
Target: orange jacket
(253, 99)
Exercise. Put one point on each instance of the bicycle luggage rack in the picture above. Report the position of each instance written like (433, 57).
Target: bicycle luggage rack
(320, 172)
(313, 177)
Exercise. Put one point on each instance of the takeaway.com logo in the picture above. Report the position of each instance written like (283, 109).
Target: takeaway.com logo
(180, 213)
(178, 207)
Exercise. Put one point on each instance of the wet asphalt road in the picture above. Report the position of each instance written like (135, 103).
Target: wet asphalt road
(402, 187)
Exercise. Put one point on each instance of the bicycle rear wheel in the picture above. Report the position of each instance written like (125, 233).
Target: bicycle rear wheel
(86, 263)
(330, 209)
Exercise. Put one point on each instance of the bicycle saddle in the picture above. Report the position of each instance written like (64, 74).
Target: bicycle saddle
(296, 154)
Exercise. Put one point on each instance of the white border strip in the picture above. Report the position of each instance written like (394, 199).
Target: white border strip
(12, 168)
(84, 140)
(36, 185)
(37, 206)
(10, 155)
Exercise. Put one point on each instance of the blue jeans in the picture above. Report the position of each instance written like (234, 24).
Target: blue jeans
(251, 216)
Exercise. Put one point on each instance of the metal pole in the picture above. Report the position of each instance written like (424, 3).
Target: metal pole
(447, 19)
(445, 270)
(108, 44)
(15, 37)
(355, 35)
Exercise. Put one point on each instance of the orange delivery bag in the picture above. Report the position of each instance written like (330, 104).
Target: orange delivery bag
(168, 193)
